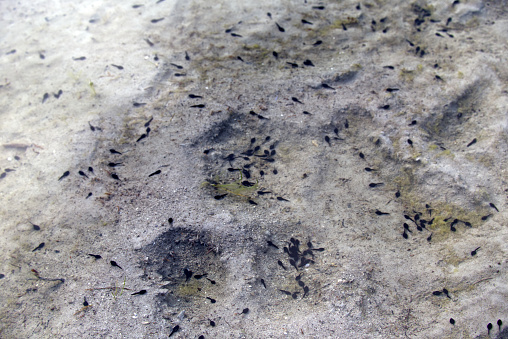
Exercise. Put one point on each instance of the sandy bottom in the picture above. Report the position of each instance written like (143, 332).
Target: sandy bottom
(264, 169)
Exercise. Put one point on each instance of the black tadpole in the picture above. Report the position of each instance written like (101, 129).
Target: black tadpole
(473, 253)
(41, 245)
(493, 206)
(489, 327)
(188, 274)
(378, 212)
(177, 66)
(174, 330)
(272, 244)
(139, 293)
(245, 311)
(263, 282)
(36, 227)
(472, 142)
(305, 291)
(155, 173)
(409, 218)
(148, 122)
(66, 173)
(113, 263)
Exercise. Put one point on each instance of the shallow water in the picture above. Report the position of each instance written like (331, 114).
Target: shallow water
(255, 168)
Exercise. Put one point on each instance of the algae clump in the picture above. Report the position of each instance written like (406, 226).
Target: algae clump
(238, 187)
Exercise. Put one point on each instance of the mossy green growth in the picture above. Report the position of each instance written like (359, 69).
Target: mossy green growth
(446, 153)
(407, 74)
(356, 67)
(349, 21)
(237, 187)
(118, 291)
(190, 288)
(337, 24)
(442, 211)
(481, 158)
(251, 47)
(92, 88)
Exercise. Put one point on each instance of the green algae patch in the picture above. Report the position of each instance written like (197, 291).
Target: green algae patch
(407, 75)
(253, 47)
(238, 187)
(338, 24)
(446, 153)
(444, 214)
(481, 158)
(188, 289)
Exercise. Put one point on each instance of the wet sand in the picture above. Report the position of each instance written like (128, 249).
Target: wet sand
(263, 169)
